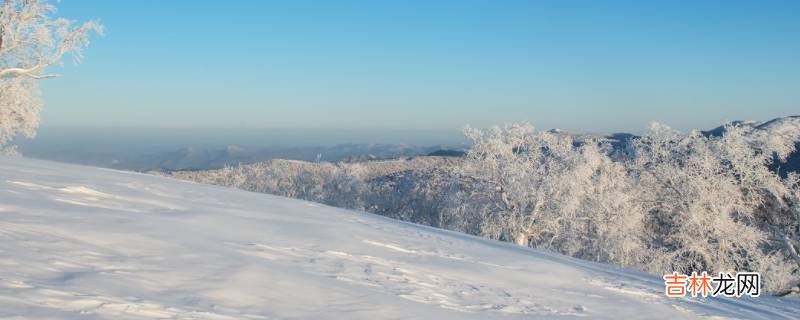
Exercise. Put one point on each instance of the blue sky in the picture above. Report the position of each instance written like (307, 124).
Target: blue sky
(595, 66)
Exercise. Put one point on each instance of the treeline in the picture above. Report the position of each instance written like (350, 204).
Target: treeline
(662, 202)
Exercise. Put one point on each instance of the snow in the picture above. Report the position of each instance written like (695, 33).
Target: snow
(88, 243)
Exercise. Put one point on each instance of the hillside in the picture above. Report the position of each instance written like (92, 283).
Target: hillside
(88, 243)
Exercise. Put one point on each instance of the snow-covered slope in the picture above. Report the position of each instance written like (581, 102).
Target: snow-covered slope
(87, 243)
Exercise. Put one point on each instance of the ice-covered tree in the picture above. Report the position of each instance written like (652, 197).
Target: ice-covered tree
(31, 39)
(554, 193)
(685, 202)
(713, 204)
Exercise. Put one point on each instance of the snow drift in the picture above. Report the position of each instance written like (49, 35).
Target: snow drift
(90, 243)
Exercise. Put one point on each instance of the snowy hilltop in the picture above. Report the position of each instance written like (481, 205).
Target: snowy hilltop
(719, 201)
(89, 243)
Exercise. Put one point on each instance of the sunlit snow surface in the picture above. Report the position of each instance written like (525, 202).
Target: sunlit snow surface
(87, 243)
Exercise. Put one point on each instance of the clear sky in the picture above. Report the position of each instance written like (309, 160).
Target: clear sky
(595, 66)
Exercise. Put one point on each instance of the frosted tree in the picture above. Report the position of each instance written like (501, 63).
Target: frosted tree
(713, 204)
(30, 41)
(554, 193)
(683, 202)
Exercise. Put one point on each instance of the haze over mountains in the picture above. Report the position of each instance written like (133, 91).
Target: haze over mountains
(193, 150)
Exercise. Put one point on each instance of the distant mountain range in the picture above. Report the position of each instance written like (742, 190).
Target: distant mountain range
(212, 157)
(202, 158)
